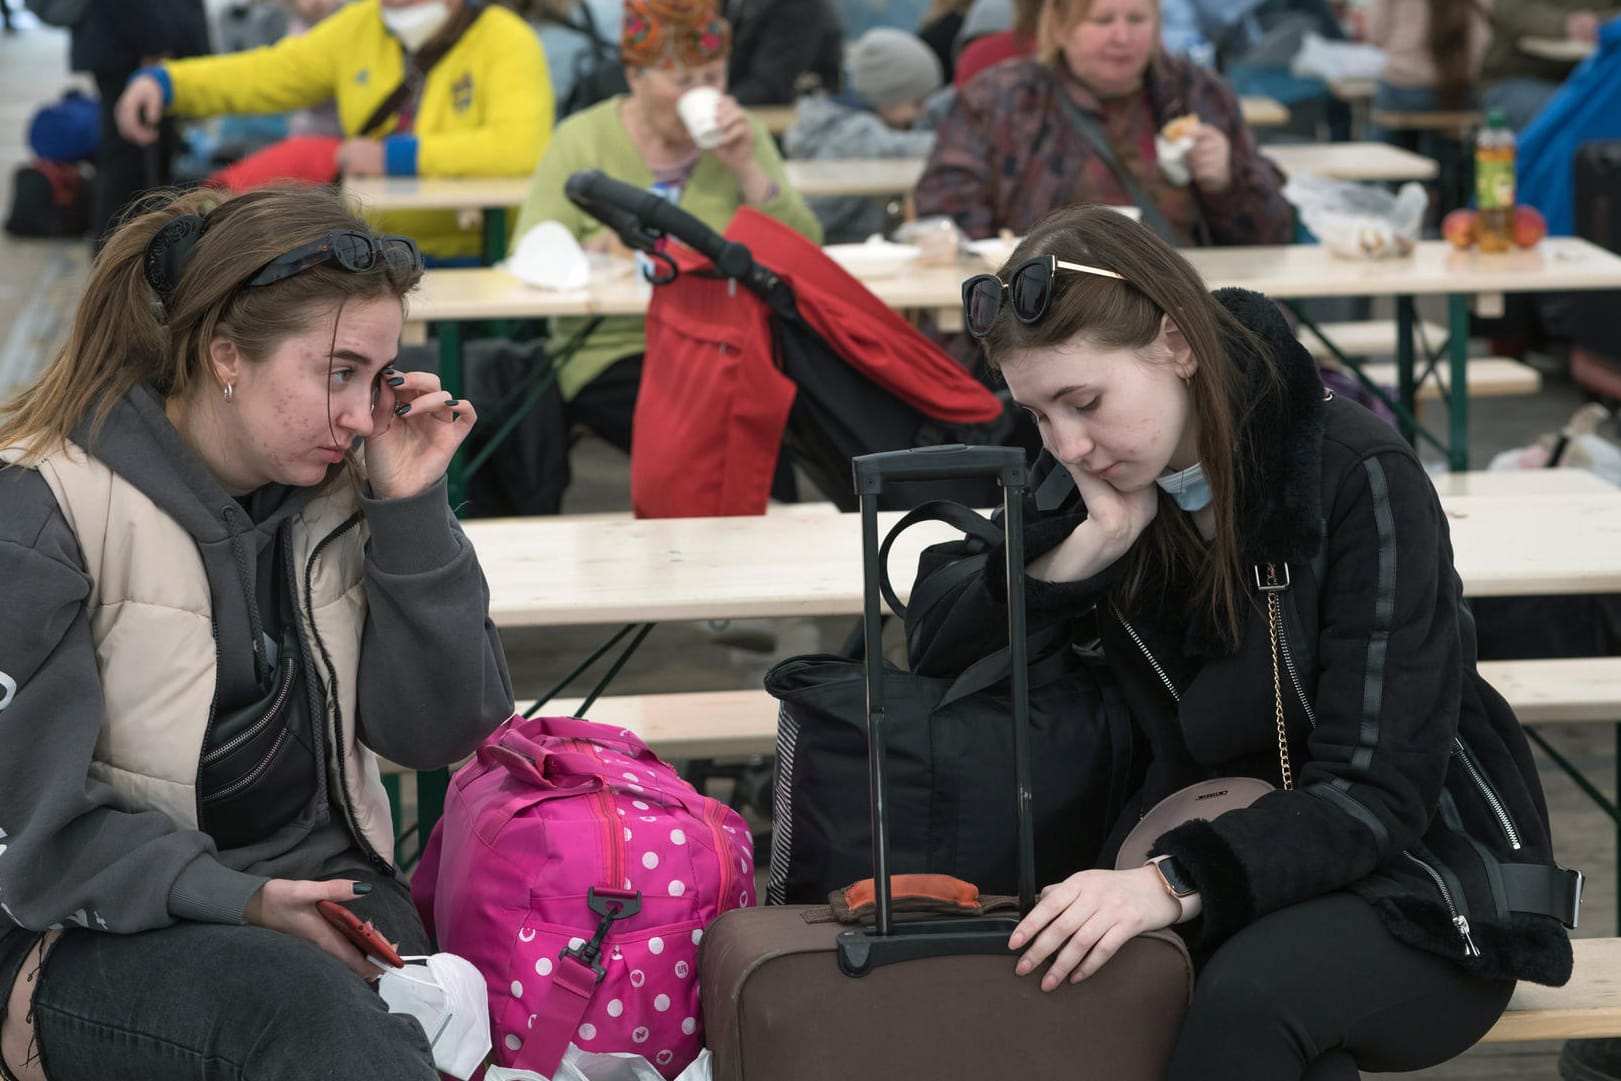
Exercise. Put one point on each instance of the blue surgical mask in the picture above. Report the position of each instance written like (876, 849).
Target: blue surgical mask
(1189, 488)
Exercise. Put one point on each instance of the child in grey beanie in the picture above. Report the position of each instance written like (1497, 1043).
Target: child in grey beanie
(889, 76)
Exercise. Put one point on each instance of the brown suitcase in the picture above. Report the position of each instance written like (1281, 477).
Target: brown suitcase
(777, 1008)
(786, 997)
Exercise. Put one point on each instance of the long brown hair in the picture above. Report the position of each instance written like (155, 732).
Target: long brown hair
(1111, 314)
(1450, 34)
(123, 336)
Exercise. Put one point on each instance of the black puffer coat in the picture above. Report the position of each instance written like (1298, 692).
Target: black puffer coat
(1414, 785)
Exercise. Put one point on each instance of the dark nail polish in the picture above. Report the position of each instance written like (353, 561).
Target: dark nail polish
(391, 370)
(401, 410)
(362, 888)
(453, 401)
(397, 381)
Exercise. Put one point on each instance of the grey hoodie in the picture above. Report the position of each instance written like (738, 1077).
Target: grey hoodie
(432, 683)
(838, 128)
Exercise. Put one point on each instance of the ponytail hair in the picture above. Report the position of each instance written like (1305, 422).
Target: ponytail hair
(124, 335)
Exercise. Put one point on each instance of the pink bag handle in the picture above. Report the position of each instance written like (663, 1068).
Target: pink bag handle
(595, 731)
(552, 773)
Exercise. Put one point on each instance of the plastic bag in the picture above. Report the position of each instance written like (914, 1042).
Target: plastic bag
(936, 238)
(1320, 58)
(1589, 440)
(580, 1065)
(1359, 221)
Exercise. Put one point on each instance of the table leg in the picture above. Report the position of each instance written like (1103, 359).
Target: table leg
(495, 235)
(1406, 380)
(1458, 398)
(432, 784)
(450, 378)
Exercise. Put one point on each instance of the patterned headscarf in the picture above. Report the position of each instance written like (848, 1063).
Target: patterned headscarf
(689, 32)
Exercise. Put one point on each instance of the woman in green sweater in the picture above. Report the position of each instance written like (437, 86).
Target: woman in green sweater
(668, 47)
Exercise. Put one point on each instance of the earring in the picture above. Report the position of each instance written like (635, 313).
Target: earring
(230, 392)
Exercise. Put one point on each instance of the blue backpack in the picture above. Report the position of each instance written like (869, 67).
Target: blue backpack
(67, 130)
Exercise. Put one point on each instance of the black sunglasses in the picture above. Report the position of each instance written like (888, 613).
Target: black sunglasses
(351, 249)
(1029, 289)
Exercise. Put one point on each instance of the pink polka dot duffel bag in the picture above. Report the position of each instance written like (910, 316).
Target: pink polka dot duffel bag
(578, 871)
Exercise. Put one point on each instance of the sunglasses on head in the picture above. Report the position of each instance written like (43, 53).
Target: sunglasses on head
(351, 249)
(1029, 289)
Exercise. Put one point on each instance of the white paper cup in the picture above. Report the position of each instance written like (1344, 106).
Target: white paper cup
(697, 110)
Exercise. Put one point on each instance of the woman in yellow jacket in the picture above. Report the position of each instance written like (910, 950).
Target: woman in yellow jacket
(483, 109)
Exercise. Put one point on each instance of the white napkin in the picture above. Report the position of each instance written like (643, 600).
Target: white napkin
(548, 256)
(1172, 155)
(449, 996)
(580, 1065)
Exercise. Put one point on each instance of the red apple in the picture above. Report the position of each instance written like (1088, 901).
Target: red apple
(1529, 226)
(1459, 227)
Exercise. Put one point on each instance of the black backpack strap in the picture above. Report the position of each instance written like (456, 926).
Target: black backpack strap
(1087, 125)
(419, 65)
(964, 518)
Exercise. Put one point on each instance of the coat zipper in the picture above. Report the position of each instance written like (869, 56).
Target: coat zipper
(263, 722)
(613, 830)
(335, 729)
(1459, 920)
(1163, 678)
(208, 729)
(1461, 753)
(1289, 663)
(714, 811)
(243, 782)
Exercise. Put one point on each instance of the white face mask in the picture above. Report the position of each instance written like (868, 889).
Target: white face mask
(450, 998)
(1189, 488)
(415, 25)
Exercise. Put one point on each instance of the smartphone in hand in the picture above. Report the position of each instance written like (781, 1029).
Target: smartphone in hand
(366, 938)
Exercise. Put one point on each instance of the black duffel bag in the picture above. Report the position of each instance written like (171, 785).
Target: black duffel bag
(948, 757)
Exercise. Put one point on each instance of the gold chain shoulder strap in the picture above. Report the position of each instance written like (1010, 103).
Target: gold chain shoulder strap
(1272, 588)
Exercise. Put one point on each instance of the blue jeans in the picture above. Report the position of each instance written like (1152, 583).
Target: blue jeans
(1520, 99)
(218, 1002)
(1450, 155)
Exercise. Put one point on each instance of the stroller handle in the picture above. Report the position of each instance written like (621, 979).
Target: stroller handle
(642, 217)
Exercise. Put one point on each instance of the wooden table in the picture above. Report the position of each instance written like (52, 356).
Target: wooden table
(558, 572)
(1567, 49)
(1285, 272)
(1258, 112)
(1362, 161)
(881, 177)
(489, 196)
(1263, 112)
(1367, 161)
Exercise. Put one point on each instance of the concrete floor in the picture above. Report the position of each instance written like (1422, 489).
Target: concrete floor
(38, 283)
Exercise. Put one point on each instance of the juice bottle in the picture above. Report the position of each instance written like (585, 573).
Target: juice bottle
(1494, 183)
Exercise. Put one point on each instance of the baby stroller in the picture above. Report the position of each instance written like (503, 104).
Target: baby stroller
(801, 359)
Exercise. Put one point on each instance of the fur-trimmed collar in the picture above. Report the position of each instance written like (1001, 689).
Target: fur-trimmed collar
(1280, 458)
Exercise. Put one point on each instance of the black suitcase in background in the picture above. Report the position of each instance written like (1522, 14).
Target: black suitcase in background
(1597, 192)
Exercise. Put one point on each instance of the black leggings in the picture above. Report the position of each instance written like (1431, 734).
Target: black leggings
(1319, 991)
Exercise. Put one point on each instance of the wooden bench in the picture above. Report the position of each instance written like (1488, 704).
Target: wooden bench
(1489, 377)
(1588, 1006)
(1364, 337)
(736, 724)
(1456, 123)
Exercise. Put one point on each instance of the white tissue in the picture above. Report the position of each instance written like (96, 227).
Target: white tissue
(449, 997)
(580, 1065)
(1172, 155)
(548, 256)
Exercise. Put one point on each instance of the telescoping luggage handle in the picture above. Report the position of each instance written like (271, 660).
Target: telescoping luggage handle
(861, 949)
